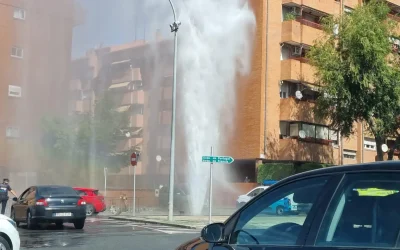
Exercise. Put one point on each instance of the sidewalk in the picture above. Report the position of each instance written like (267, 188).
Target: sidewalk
(190, 222)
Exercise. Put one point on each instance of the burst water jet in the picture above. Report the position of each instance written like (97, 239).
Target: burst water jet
(215, 46)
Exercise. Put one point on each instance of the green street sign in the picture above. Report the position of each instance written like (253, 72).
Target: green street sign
(218, 159)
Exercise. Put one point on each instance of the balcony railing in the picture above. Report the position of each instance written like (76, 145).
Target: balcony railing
(309, 23)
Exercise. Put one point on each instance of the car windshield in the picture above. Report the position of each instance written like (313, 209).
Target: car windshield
(56, 191)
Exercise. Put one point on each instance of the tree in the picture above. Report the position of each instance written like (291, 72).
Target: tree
(358, 72)
(87, 139)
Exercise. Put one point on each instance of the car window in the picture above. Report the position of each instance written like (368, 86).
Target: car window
(254, 192)
(25, 193)
(271, 219)
(363, 212)
(81, 193)
(31, 195)
(56, 190)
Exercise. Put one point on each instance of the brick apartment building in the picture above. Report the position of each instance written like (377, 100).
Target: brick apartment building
(35, 53)
(269, 115)
(128, 72)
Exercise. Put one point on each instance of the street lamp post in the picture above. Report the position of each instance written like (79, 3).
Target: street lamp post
(174, 28)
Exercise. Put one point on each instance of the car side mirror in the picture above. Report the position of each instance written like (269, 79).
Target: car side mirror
(213, 233)
(15, 199)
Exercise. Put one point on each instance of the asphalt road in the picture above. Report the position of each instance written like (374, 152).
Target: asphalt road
(102, 233)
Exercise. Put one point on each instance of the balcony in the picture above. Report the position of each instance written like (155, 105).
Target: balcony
(128, 144)
(296, 69)
(328, 7)
(136, 121)
(292, 109)
(295, 150)
(300, 32)
(134, 97)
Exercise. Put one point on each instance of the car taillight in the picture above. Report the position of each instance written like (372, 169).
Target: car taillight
(41, 202)
(81, 202)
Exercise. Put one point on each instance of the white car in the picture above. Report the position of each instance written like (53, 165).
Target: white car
(9, 238)
(244, 198)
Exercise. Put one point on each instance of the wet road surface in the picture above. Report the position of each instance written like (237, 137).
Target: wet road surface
(102, 233)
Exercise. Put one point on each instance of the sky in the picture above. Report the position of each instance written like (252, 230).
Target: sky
(111, 22)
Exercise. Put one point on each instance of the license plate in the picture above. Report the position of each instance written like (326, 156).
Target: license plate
(294, 207)
(62, 214)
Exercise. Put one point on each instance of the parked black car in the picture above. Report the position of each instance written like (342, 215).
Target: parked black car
(350, 207)
(49, 204)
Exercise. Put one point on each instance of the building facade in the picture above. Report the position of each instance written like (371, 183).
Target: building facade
(35, 52)
(273, 123)
(270, 115)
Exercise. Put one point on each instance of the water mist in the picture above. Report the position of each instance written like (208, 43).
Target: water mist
(215, 45)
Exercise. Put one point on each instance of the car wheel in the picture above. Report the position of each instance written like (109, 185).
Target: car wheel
(59, 224)
(79, 224)
(29, 221)
(279, 210)
(4, 245)
(89, 210)
(13, 217)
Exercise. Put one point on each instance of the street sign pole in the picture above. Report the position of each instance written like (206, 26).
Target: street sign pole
(134, 191)
(105, 182)
(134, 160)
(217, 159)
(210, 192)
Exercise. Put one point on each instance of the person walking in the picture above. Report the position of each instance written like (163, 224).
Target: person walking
(4, 189)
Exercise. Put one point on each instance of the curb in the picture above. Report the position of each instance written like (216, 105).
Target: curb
(153, 222)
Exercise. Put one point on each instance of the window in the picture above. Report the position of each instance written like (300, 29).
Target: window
(349, 154)
(258, 223)
(255, 192)
(369, 144)
(363, 212)
(81, 193)
(14, 91)
(333, 136)
(12, 132)
(17, 52)
(19, 14)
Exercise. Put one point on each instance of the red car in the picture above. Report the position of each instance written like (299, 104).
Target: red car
(94, 202)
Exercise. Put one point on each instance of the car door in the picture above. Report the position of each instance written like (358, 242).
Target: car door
(252, 228)
(18, 206)
(363, 214)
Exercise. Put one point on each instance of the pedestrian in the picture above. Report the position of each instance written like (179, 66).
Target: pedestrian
(4, 189)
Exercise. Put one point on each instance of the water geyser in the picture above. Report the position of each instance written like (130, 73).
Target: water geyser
(215, 45)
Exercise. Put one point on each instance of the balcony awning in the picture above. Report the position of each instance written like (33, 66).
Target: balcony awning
(119, 85)
(123, 108)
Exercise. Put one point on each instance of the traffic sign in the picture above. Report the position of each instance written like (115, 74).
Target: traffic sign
(218, 159)
(133, 159)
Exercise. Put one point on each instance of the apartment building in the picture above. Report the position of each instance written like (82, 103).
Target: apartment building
(35, 52)
(275, 121)
(139, 76)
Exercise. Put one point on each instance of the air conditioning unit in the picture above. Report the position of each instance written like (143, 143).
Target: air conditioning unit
(296, 51)
(296, 11)
(14, 91)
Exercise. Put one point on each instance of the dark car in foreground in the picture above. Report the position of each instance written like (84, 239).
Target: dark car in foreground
(49, 204)
(351, 207)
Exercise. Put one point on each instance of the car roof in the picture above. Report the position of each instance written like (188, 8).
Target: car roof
(83, 188)
(382, 166)
(50, 186)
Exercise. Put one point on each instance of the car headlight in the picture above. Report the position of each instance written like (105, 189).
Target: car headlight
(12, 222)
